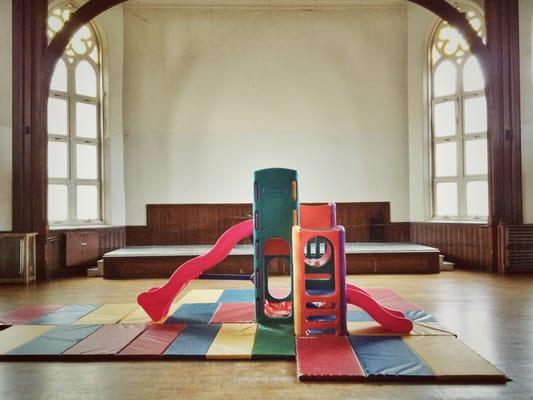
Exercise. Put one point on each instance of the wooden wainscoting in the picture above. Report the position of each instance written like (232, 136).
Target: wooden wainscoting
(181, 224)
(108, 239)
(467, 245)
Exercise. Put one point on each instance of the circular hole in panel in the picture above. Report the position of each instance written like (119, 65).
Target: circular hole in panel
(318, 251)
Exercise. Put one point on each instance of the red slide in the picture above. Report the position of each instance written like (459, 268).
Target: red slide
(157, 301)
(389, 318)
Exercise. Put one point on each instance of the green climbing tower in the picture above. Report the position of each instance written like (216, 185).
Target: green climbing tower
(275, 211)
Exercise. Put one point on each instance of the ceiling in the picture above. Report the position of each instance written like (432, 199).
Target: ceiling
(266, 3)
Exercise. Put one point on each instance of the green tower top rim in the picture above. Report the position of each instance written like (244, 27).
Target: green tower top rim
(276, 169)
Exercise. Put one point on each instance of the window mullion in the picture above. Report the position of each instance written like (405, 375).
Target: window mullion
(72, 145)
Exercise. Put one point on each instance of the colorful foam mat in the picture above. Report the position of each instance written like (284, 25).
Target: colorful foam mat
(218, 324)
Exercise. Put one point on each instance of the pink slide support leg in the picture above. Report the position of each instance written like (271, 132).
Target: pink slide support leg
(393, 320)
(157, 301)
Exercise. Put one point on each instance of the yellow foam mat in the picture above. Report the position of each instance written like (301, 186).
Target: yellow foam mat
(233, 341)
(201, 296)
(17, 335)
(139, 316)
(449, 358)
(108, 314)
(419, 329)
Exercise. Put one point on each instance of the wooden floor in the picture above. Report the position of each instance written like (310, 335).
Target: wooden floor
(493, 314)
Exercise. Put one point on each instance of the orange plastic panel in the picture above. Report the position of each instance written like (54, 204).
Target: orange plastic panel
(317, 216)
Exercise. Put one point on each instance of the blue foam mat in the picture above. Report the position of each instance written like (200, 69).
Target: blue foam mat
(55, 341)
(388, 356)
(237, 296)
(193, 313)
(66, 314)
(193, 341)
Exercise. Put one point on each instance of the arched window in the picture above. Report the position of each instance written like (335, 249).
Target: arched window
(458, 124)
(75, 126)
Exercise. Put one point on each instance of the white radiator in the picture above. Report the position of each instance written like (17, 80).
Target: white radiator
(17, 257)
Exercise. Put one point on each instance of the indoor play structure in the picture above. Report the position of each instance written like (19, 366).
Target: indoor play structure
(334, 330)
(306, 238)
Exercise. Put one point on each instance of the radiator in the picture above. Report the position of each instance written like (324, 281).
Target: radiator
(17, 257)
(517, 252)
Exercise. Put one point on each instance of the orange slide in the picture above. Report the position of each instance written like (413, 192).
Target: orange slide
(157, 301)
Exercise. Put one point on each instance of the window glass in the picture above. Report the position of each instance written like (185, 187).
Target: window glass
(86, 161)
(59, 78)
(477, 194)
(57, 116)
(57, 159)
(475, 115)
(74, 114)
(87, 204)
(446, 159)
(58, 202)
(445, 119)
(458, 116)
(86, 83)
(86, 120)
(473, 79)
(445, 79)
(446, 200)
(476, 157)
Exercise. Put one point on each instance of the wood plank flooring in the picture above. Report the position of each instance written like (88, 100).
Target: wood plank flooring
(493, 314)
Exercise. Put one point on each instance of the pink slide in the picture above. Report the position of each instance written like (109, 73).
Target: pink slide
(389, 318)
(156, 302)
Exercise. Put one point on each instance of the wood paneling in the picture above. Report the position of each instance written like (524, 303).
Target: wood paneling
(108, 239)
(162, 267)
(467, 245)
(81, 248)
(393, 263)
(180, 224)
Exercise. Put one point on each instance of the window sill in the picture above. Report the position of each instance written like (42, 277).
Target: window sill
(458, 221)
(78, 227)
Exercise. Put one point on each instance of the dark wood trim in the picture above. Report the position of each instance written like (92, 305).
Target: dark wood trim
(505, 172)
(29, 138)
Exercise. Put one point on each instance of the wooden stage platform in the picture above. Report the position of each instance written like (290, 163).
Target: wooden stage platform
(160, 261)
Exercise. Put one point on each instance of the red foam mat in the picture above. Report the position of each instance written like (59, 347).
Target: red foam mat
(24, 315)
(327, 358)
(234, 313)
(153, 341)
(106, 341)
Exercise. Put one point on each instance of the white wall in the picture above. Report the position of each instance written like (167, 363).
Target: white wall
(419, 26)
(5, 116)
(111, 25)
(526, 76)
(210, 95)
